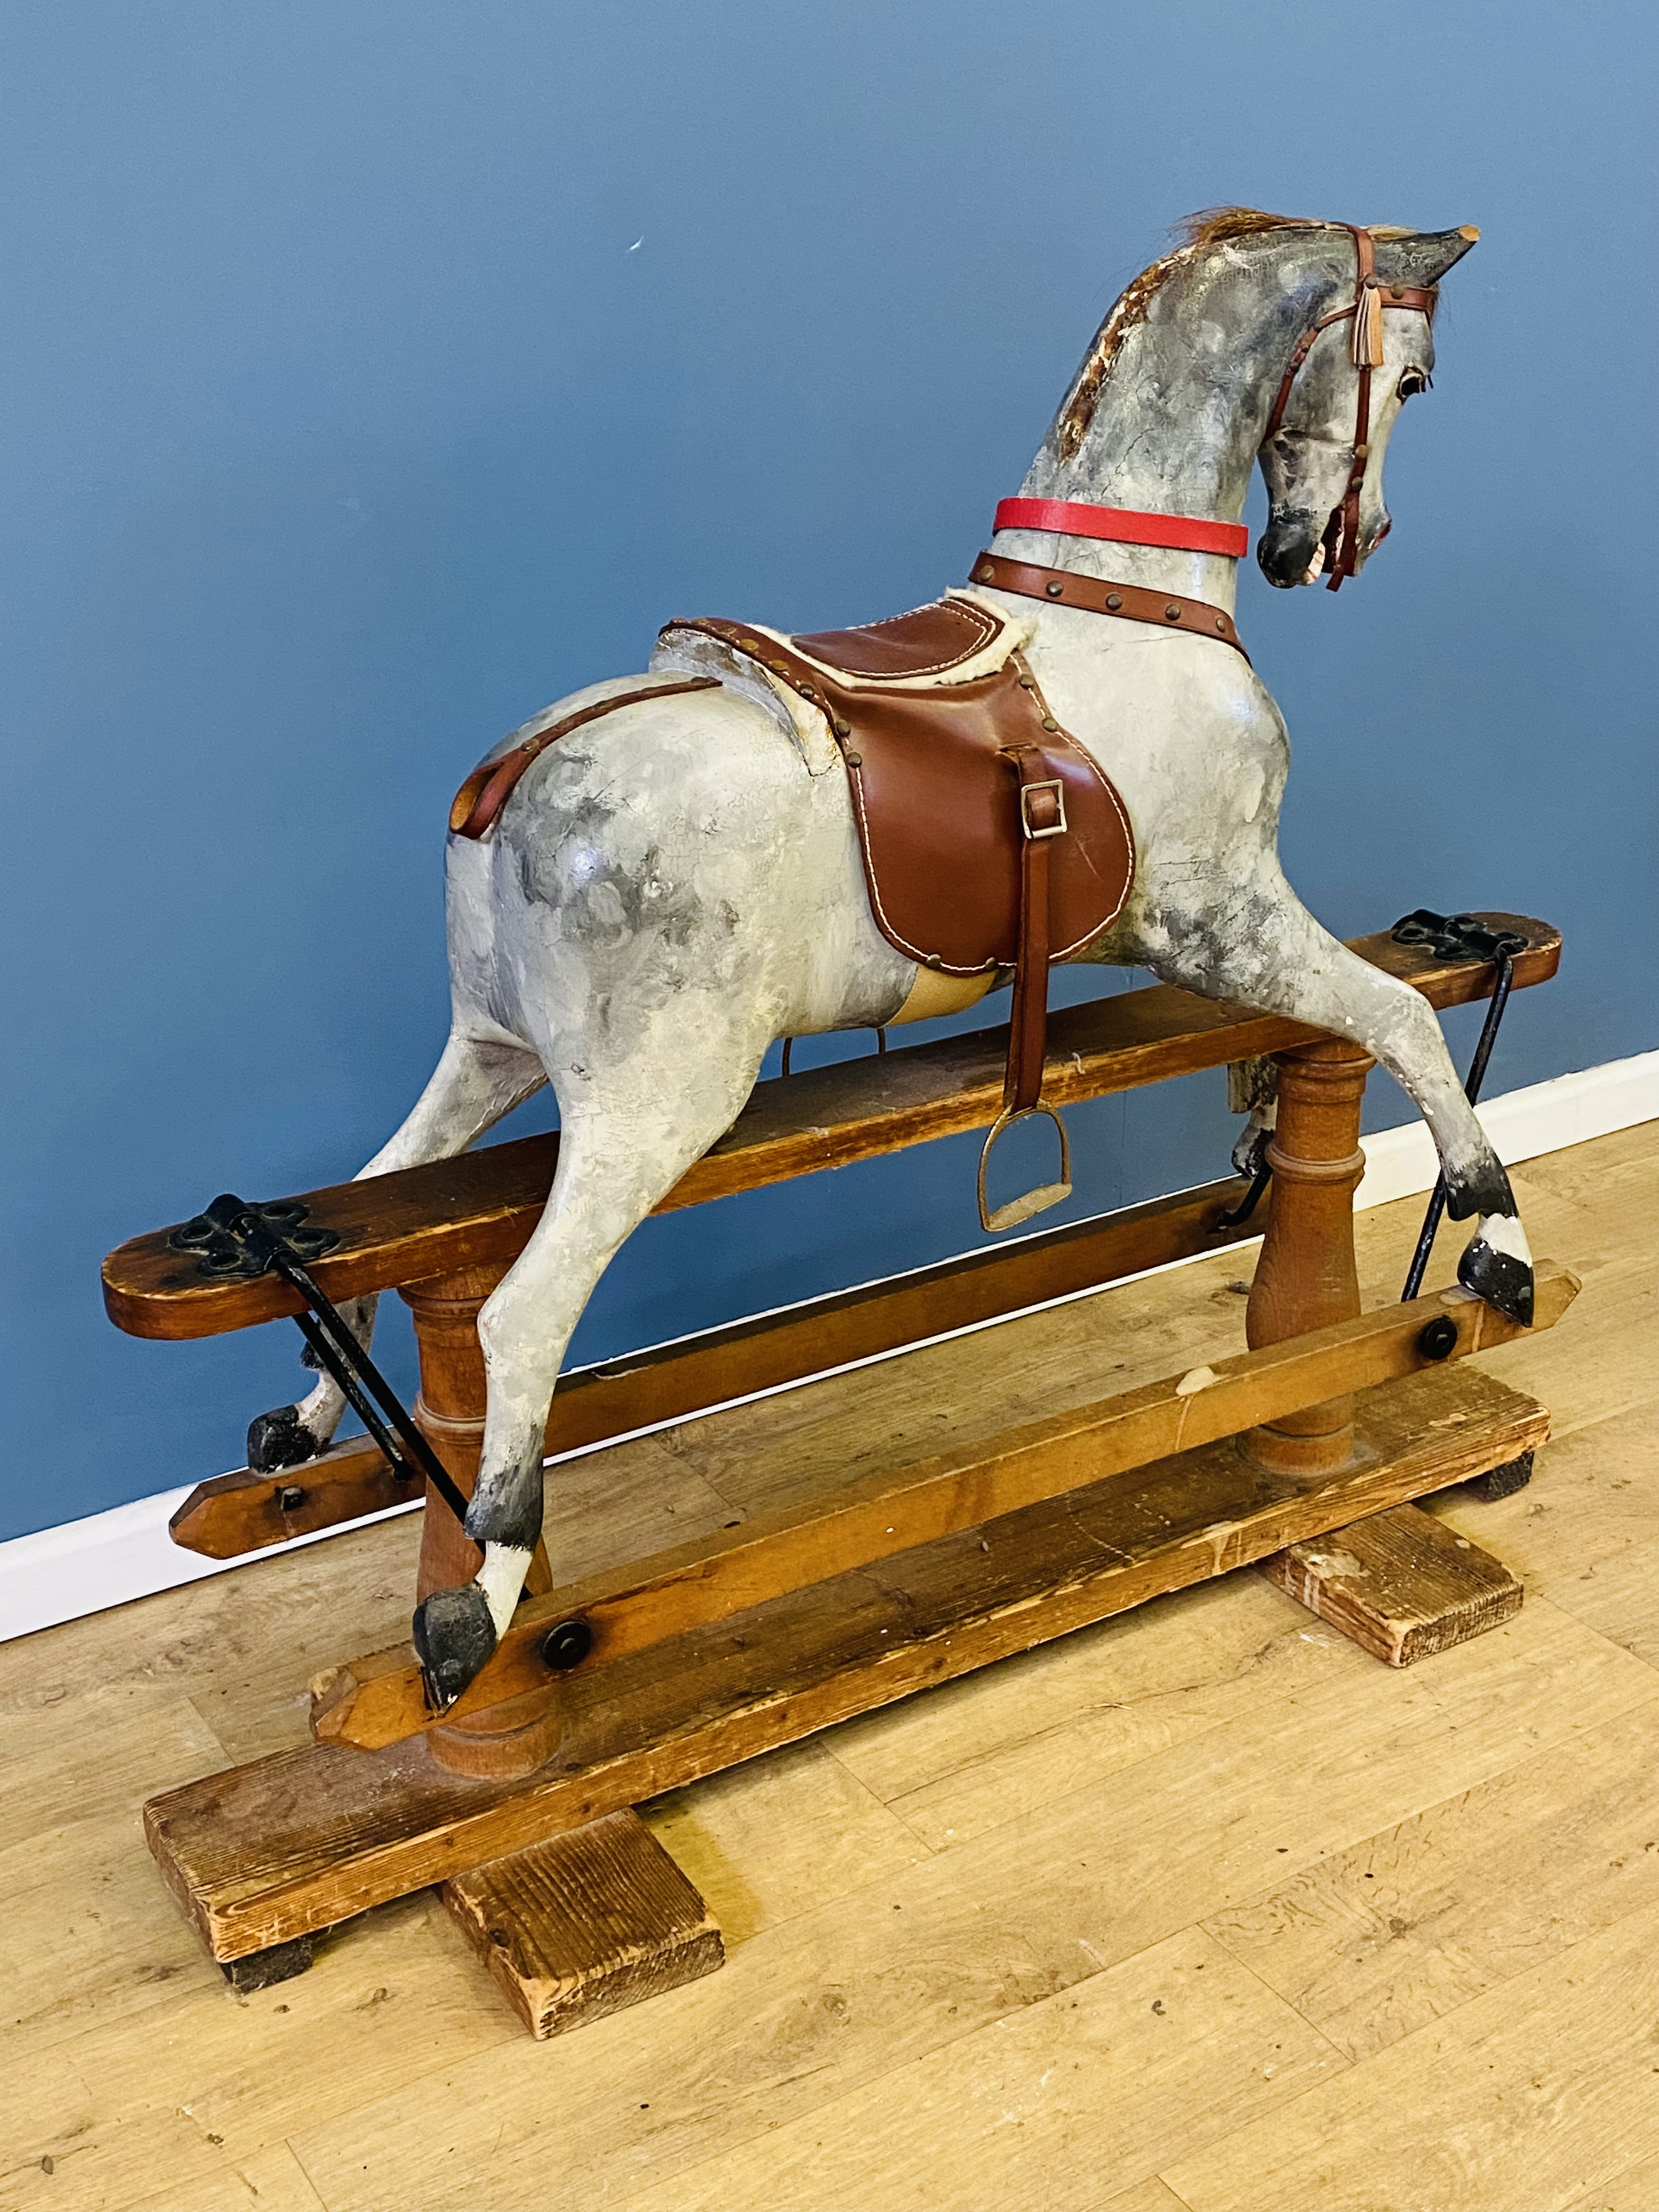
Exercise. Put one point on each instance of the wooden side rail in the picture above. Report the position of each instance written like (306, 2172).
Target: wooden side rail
(480, 1210)
(235, 1514)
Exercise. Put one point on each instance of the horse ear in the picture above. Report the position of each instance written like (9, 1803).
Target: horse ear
(1422, 257)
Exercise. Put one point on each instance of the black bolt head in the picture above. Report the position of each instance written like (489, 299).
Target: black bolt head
(567, 1646)
(1439, 1338)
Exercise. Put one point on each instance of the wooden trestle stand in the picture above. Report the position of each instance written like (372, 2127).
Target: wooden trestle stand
(520, 1801)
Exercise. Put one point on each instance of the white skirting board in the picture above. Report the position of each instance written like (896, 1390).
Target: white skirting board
(107, 1560)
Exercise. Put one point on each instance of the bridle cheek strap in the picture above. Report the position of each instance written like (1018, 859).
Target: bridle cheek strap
(1341, 540)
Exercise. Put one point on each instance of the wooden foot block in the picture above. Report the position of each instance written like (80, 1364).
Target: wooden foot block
(585, 1923)
(1402, 1585)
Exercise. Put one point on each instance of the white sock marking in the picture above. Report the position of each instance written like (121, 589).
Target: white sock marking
(1504, 1233)
(501, 1578)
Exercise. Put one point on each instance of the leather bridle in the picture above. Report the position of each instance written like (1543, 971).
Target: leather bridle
(1341, 538)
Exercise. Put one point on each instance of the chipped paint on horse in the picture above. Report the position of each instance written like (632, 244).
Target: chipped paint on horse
(670, 888)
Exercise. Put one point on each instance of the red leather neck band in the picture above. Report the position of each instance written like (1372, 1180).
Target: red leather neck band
(1183, 533)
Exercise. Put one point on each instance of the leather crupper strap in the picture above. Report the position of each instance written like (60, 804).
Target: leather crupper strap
(1064, 588)
(486, 791)
(1371, 297)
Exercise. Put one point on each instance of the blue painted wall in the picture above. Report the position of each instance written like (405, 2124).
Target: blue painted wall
(377, 371)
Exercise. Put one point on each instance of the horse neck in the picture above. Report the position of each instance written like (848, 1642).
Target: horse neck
(1180, 415)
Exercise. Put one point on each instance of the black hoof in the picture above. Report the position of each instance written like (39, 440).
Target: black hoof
(454, 1637)
(279, 1439)
(1505, 1282)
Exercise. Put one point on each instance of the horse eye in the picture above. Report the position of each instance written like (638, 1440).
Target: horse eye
(1413, 381)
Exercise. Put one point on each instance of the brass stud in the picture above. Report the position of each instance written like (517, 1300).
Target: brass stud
(1115, 600)
(1049, 723)
(854, 760)
(1172, 613)
(1053, 590)
(843, 728)
(1028, 684)
(933, 961)
(1221, 622)
(983, 575)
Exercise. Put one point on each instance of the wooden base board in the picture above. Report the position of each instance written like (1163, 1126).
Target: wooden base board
(585, 1923)
(299, 1841)
(1401, 1584)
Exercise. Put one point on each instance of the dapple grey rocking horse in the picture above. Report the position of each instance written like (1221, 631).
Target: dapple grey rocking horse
(639, 905)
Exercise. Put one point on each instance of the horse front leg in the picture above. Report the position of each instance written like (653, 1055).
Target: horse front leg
(477, 1082)
(624, 1145)
(1260, 946)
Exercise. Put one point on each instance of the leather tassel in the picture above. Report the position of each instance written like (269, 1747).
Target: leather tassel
(1367, 326)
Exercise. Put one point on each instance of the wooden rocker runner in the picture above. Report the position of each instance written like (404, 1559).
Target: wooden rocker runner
(517, 1798)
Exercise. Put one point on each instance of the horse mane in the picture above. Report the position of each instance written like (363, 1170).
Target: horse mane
(1197, 235)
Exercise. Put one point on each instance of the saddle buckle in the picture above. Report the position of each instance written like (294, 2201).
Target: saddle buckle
(1056, 829)
(1046, 1194)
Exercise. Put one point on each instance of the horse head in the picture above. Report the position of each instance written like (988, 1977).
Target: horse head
(1326, 437)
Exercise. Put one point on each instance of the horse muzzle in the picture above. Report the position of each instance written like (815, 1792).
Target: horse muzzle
(1291, 551)
(1296, 549)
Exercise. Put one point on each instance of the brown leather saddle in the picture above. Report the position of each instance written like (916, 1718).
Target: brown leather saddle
(991, 839)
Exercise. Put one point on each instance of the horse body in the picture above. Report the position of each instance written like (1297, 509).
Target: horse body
(678, 883)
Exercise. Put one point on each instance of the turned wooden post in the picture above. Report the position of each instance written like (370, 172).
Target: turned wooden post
(502, 1743)
(450, 1411)
(1306, 1277)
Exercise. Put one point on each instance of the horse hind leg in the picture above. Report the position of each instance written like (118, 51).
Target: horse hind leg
(475, 1081)
(622, 1147)
(1285, 963)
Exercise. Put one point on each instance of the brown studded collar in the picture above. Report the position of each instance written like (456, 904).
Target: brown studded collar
(1064, 588)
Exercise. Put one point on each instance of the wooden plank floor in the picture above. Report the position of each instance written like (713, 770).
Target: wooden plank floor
(1204, 1908)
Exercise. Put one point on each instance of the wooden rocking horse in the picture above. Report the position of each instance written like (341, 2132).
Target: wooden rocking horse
(1068, 758)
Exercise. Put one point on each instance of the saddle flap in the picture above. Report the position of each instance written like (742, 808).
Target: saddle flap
(937, 796)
